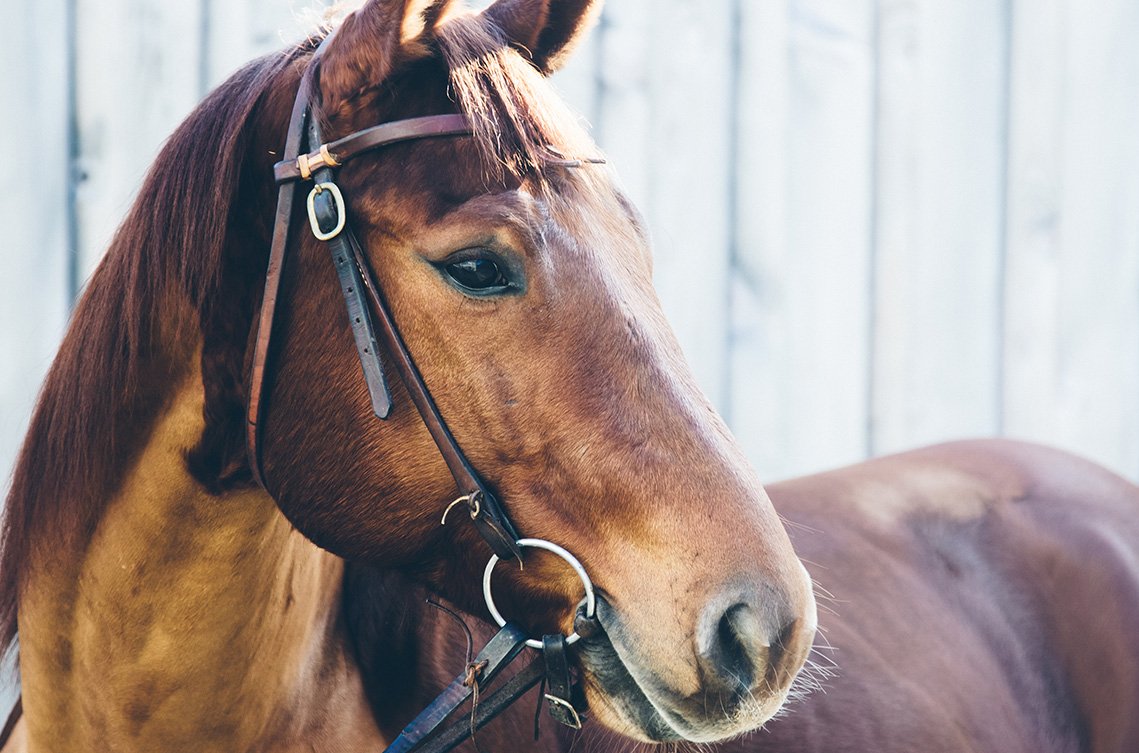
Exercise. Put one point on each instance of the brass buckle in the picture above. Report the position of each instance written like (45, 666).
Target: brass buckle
(341, 214)
(306, 163)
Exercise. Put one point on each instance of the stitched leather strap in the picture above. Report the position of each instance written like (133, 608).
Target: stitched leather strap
(359, 288)
(344, 149)
(254, 408)
(500, 651)
(485, 510)
(490, 706)
(327, 214)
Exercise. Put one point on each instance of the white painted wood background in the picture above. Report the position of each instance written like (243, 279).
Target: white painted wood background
(878, 223)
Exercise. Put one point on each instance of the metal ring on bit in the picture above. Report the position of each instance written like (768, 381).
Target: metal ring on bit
(549, 546)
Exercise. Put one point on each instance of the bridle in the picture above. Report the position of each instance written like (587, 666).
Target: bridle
(308, 158)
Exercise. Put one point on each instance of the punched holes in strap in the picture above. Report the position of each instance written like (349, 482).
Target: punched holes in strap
(327, 214)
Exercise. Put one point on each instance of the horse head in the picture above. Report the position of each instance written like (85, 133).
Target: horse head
(520, 278)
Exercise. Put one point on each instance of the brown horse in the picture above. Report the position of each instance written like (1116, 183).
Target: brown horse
(984, 594)
(163, 601)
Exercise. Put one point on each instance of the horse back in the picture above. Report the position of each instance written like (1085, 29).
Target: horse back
(975, 596)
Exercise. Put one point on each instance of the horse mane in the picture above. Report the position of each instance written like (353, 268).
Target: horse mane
(158, 290)
(114, 364)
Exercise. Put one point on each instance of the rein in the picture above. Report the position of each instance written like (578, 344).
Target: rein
(308, 158)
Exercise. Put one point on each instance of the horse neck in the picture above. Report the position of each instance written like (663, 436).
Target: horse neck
(188, 621)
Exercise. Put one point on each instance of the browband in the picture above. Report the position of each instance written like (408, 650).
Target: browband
(340, 151)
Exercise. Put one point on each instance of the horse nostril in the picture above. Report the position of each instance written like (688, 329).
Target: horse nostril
(743, 649)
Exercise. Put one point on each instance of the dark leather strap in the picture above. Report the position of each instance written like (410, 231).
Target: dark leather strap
(355, 279)
(254, 408)
(327, 214)
(375, 137)
(502, 648)
(559, 685)
(490, 706)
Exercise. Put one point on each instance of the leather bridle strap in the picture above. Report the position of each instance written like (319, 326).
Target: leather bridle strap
(340, 151)
(488, 708)
(254, 407)
(327, 211)
(499, 652)
(483, 507)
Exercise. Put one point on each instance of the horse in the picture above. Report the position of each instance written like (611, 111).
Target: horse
(978, 596)
(165, 600)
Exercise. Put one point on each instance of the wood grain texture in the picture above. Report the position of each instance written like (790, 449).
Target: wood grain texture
(823, 276)
(1073, 271)
(130, 95)
(939, 214)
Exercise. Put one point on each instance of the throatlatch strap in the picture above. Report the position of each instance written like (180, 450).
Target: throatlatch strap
(255, 407)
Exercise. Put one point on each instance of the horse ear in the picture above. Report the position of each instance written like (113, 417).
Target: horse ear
(548, 29)
(371, 42)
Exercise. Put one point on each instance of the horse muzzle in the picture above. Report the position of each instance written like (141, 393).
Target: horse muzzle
(746, 650)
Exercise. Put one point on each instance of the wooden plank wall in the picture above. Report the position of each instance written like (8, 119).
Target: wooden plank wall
(878, 223)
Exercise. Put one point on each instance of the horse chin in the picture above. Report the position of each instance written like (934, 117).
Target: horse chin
(642, 710)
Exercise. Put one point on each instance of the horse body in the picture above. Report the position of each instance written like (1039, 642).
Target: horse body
(983, 595)
(164, 602)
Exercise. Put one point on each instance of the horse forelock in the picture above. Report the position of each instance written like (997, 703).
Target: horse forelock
(516, 117)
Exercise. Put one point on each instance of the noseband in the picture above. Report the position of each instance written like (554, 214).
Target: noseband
(308, 158)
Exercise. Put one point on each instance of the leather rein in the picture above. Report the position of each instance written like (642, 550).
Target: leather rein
(307, 158)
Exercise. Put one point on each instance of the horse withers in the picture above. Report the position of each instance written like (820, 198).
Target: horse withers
(164, 601)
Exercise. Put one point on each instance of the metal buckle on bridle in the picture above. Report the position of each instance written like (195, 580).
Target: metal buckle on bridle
(573, 719)
(338, 202)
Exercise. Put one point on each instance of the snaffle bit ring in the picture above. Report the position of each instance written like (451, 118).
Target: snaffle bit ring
(549, 546)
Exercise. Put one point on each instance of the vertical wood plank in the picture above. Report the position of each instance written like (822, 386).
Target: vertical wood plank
(1072, 359)
(138, 73)
(239, 31)
(664, 120)
(33, 286)
(664, 104)
(802, 299)
(759, 413)
(624, 103)
(577, 81)
(690, 151)
(939, 214)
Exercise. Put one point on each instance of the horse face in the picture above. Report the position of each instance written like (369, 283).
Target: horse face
(526, 299)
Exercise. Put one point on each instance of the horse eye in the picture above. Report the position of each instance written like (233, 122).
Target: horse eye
(478, 274)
